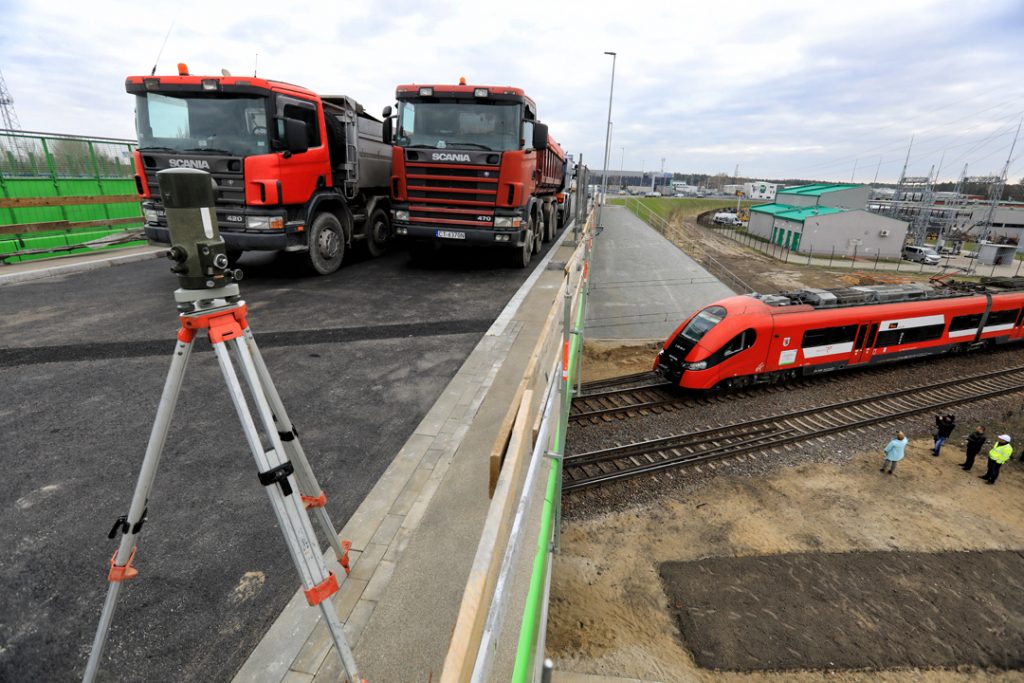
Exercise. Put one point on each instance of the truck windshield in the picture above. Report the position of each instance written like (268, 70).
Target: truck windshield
(702, 322)
(458, 125)
(194, 122)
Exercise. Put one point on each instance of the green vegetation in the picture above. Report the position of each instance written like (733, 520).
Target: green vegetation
(685, 207)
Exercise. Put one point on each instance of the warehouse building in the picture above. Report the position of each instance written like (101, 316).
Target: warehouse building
(825, 194)
(824, 230)
(760, 189)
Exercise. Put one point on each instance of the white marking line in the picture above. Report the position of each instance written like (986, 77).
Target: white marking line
(905, 323)
(501, 322)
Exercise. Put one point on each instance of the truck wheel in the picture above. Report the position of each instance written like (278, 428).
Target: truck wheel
(549, 222)
(326, 240)
(521, 255)
(378, 232)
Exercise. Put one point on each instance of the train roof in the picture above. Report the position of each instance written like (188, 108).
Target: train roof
(843, 297)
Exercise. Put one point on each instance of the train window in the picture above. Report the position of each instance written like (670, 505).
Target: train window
(1001, 317)
(741, 342)
(1020, 318)
(829, 335)
(860, 337)
(702, 322)
(965, 322)
(909, 335)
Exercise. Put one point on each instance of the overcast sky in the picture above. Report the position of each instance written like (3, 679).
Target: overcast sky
(782, 89)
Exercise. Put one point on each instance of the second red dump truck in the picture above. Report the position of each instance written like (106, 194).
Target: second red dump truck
(472, 164)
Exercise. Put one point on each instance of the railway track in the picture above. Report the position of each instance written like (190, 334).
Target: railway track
(623, 462)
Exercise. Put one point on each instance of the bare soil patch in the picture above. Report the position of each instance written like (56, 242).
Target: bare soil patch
(857, 610)
(606, 358)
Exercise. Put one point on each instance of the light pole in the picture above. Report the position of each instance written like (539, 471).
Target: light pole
(622, 164)
(607, 141)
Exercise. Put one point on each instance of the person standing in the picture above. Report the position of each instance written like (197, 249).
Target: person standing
(999, 454)
(894, 452)
(975, 441)
(944, 426)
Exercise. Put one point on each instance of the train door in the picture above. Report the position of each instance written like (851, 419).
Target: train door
(863, 343)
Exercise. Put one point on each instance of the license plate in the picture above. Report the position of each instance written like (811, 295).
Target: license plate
(451, 234)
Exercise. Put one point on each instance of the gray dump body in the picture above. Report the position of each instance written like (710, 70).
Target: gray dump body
(350, 129)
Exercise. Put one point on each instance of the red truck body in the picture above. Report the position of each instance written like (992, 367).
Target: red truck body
(295, 171)
(473, 165)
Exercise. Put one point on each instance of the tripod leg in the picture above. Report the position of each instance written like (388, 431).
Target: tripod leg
(315, 497)
(276, 475)
(131, 525)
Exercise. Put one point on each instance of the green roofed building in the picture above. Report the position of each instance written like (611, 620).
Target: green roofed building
(824, 230)
(840, 196)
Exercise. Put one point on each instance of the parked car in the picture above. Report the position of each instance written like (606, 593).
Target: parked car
(925, 255)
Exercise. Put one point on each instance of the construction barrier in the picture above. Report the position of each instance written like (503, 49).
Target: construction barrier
(494, 639)
(65, 194)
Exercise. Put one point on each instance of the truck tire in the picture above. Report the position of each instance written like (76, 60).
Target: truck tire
(326, 240)
(378, 232)
(549, 222)
(521, 256)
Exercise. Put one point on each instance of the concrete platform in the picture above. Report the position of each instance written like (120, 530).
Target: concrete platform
(643, 285)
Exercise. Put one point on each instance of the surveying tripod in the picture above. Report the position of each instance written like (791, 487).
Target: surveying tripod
(209, 301)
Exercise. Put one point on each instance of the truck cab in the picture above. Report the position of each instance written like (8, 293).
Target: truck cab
(294, 171)
(473, 165)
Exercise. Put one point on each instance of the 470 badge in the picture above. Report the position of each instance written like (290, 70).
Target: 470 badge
(451, 234)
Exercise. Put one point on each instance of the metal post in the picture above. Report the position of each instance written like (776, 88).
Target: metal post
(831, 256)
(549, 667)
(853, 261)
(878, 255)
(587, 253)
(607, 141)
(1017, 272)
(992, 274)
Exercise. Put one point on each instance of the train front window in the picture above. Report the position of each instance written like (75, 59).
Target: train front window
(703, 322)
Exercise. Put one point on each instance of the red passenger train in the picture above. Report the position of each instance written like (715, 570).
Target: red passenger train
(759, 338)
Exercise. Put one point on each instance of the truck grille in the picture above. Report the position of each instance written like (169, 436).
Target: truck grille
(230, 183)
(452, 194)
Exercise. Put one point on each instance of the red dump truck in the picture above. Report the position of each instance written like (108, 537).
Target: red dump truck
(295, 171)
(473, 165)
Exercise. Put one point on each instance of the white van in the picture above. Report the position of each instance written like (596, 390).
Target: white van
(925, 255)
(726, 218)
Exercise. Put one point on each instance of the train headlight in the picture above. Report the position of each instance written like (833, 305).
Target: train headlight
(699, 365)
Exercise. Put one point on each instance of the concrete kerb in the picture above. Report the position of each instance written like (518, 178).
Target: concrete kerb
(38, 270)
(384, 521)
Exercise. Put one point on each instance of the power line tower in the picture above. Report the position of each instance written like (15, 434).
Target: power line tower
(996, 189)
(7, 113)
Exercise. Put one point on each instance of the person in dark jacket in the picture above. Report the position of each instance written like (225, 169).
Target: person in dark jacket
(944, 426)
(974, 443)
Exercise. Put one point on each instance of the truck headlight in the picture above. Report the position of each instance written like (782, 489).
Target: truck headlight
(402, 216)
(699, 365)
(507, 221)
(264, 222)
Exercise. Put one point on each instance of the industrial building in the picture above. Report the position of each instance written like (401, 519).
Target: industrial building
(837, 196)
(823, 230)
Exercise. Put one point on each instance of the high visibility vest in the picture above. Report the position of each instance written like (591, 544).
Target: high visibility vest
(1001, 453)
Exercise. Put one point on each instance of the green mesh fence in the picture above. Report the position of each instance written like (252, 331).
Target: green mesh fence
(45, 165)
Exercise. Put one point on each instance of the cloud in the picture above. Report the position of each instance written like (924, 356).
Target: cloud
(803, 90)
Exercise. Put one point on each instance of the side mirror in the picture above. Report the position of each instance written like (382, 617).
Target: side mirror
(296, 136)
(540, 135)
(387, 128)
(386, 113)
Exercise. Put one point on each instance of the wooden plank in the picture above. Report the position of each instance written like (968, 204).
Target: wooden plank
(28, 202)
(476, 598)
(22, 228)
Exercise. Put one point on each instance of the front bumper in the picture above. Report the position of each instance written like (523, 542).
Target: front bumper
(472, 236)
(238, 241)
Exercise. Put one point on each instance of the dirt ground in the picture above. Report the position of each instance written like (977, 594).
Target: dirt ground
(610, 613)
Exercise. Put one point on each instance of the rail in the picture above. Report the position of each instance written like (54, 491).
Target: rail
(631, 460)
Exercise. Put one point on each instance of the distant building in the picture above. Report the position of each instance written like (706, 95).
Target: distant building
(760, 189)
(732, 189)
(823, 230)
(826, 194)
(1007, 221)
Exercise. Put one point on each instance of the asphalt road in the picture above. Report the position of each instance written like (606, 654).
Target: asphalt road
(358, 357)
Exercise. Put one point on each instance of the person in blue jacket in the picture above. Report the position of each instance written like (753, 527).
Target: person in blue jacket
(894, 452)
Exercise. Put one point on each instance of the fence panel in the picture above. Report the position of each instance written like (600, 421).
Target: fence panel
(73, 190)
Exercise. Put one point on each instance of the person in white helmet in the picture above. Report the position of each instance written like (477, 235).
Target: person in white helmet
(999, 454)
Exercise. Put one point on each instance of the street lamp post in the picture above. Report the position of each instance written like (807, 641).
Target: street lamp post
(607, 141)
(622, 164)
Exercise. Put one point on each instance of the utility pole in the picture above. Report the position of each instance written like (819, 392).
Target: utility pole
(996, 191)
(7, 113)
(894, 208)
(607, 141)
(854, 169)
(622, 162)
